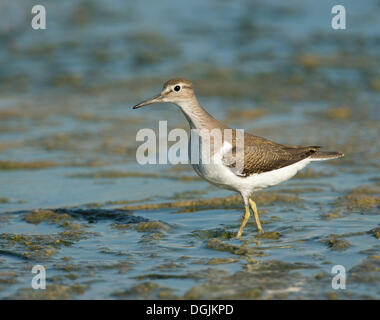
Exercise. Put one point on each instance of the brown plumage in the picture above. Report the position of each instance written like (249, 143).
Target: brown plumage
(174, 81)
(262, 155)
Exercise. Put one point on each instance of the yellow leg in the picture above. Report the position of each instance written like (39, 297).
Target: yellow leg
(244, 222)
(256, 215)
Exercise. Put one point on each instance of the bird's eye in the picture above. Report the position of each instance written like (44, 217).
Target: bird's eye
(177, 88)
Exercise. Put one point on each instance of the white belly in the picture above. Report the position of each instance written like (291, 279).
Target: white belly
(221, 176)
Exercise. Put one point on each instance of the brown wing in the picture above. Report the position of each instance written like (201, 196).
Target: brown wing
(262, 155)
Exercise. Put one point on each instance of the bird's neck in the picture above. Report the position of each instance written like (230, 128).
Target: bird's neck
(198, 117)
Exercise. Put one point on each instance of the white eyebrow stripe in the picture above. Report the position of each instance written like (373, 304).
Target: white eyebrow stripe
(183, 85)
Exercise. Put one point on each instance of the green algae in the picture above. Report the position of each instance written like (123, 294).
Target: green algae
(334, 214)
(62, 220)
(8, 278)
(86, 12)
(10, 114)
(46, 164)
(166, 294)
(151, 236)
(193, 194)
(9, 145)
(152, 48)
(335, 243)
(72, 276)
(119, 202)
(244, 115)
(163, 276)
(310, 173)
(274, 235)
(121, 266)
(375, 232)
(93, 215)
(263, 198)
(375, 84)
(68, 267)
(332, 295)
(310, 61)
(367, 271)
(361, 198)
(152, 226)
(366, 190)
(40, 246)
(214, 261)
(218, 233)
(38, 216)
(145, 290)
(93, 205)
(355, 201)
(52, 292)
(120, 226)
(106, 250)
(339, 113)
(24, 165)
(170, 266)
(73, 226)
(113, 174)
(271, 266)
(320, 275)
(195, 204)
(4, 200)
(69, 79)
(242, 250)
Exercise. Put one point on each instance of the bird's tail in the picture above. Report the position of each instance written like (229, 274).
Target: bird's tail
(325, 155)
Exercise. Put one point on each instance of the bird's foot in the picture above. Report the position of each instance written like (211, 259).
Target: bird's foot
(260, 231)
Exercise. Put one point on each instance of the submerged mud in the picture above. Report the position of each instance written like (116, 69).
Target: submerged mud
(74, 200)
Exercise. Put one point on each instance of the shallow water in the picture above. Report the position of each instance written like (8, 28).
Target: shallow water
(74, 199)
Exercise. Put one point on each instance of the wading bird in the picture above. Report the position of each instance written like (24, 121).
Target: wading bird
(264, 163)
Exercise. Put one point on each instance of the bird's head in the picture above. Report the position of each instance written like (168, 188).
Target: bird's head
(176, 91)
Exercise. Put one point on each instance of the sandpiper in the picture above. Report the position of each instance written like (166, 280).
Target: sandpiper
(265, 163)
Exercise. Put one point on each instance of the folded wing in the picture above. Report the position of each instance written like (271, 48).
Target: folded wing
(261, 155)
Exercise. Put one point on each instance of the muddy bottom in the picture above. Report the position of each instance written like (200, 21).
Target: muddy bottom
(74, 200)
